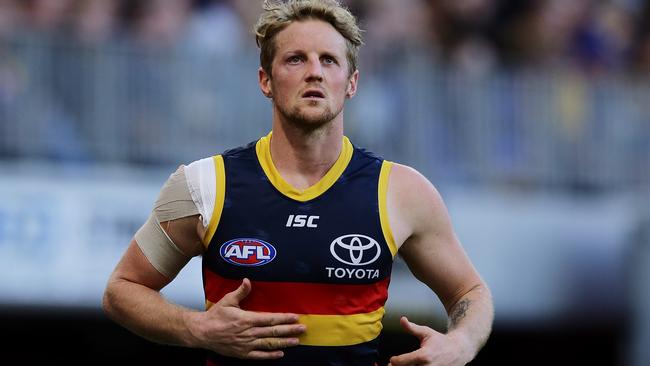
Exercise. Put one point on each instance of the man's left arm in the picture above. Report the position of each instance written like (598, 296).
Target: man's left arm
(421, 223)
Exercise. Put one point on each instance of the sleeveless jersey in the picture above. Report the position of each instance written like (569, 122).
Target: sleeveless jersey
(324, 253)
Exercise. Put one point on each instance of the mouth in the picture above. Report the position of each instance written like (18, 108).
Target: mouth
(313, 94)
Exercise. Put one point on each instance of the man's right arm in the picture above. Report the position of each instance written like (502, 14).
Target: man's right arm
(132, 299)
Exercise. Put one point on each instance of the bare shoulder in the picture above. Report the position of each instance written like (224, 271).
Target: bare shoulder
(427, 241)
(414, 204)
(405, 179)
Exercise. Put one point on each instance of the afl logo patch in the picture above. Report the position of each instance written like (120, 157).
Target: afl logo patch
(355, 249)
(247, 252)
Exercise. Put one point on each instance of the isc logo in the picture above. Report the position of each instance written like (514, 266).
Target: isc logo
(302, 221)
(247, 252)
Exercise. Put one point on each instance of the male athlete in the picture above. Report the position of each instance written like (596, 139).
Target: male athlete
(299, 229)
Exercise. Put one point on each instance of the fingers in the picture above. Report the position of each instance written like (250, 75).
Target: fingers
(264, 355)
(268, 348)
(274, 338)
(248, 334)
(253, 318)
(408, 359)
(235, 297)
(271, 319)
(423, 355)
(284, 330)
(417, 330)
(271, 344)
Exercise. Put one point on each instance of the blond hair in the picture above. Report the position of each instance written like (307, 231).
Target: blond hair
(278, 14)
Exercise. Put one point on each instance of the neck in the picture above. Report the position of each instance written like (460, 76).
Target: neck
(303, 157)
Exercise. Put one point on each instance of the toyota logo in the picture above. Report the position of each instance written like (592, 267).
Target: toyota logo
(355, 249)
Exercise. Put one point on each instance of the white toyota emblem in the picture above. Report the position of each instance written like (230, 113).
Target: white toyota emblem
(355, 249)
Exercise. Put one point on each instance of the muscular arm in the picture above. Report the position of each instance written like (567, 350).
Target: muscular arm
(132, 296)
(432, 251)
(162, 246)
(132, 299)
(167, 241)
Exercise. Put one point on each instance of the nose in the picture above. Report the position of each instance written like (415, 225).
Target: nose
(314, 70)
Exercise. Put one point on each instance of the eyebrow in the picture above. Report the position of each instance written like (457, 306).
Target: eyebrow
(302, 52)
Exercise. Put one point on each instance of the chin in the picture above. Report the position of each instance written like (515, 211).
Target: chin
(311, 117)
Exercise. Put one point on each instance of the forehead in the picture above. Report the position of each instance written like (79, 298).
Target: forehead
(310, 35)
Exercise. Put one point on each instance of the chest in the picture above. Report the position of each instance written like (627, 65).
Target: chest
(334, 238)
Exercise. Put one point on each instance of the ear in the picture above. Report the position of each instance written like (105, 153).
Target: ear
(264, 80)
(352, 84)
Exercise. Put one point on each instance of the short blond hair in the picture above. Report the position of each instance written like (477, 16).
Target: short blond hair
(278, 14)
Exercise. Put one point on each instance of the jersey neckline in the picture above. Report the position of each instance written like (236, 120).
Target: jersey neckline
(263, 151)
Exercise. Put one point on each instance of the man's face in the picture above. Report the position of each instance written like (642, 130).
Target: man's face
(310, 79)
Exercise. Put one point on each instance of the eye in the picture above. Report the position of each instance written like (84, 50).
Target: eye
(328, 60)
(294, 60)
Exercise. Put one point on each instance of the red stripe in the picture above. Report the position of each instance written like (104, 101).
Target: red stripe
(300, 297)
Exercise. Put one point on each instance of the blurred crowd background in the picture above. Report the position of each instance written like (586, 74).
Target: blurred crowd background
(531, 117)
(541, 92)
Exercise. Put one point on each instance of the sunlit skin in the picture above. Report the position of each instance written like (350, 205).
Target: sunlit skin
(310, 76)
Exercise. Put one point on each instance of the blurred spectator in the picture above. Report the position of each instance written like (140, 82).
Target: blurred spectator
(36, 123)
(604, 42)
(467, 34)
(157, 23)
(94, 21)
(248, 12)
(400, 38)
(217, 29)
(541, 33)
(156, 30)
(393, 27)
(84, 71)
(640, 55)
(641, 59)
(45, 15)
(8, 18)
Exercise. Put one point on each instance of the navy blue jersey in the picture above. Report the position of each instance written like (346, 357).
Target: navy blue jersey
(324, 253)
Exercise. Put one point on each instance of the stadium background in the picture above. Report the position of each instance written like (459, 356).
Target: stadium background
(532, 119)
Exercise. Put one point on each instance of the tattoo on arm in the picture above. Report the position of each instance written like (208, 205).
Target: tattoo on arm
(458, 312)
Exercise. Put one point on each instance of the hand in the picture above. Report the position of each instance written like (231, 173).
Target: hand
(230, 331)
(436, 349)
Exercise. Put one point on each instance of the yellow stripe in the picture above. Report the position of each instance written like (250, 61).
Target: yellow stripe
(220, 175)
(263, 150)
(341, 330)
(338, 330)
(383, 209)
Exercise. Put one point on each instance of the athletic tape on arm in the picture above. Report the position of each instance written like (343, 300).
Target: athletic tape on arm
(174, 202)
(159, 249)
